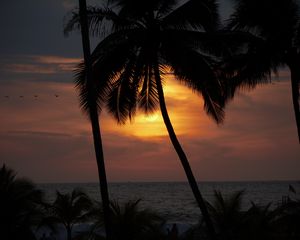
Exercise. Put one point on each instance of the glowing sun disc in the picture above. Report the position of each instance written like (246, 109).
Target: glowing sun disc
(152, 117)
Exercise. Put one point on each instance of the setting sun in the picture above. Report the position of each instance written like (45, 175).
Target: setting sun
(151, 117)
(184, 107)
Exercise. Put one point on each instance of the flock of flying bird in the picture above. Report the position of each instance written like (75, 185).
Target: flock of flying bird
(35, 96)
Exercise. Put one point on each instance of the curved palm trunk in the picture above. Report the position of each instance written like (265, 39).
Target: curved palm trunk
(295, 80)
(93, 114)
(183, 159)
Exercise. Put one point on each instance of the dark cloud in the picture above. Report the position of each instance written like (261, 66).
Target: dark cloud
(24, 68)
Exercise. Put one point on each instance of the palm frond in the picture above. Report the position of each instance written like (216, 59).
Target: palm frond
(273, 19)
(198, 14)
(148, 96)
(213, 108)
(265, 43)
(144, 76)
(108, 59)
(122, 97)
(251, 67)
(129, 221)
(227, 214)
(135, 11)
(197, 71)
(165, 7)
(100, 21)
(217, 44)
(21, 205)
(7, 175)
(71, 22)
(106, 20)
(68, 209)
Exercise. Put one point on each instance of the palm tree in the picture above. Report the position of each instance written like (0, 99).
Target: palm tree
(130, 222)
(145, 40)
(90, 104)
(68, 209)
(20, 206)
(260, 222)
(227, 215)
(275, 29)
(289, 219)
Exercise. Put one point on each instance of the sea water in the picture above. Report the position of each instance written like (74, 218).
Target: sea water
(175, 201)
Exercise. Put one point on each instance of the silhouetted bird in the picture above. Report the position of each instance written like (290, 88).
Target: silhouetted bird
(21, 96)
(6, 96)
(56, 95)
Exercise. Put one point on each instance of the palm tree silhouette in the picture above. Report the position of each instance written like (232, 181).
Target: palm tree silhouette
(129, 221)
(262, 222)
(21, 206)
(89, 101)
(147, 39)
(289, 218)
(226, 213)
(68, 209)
(275, 42)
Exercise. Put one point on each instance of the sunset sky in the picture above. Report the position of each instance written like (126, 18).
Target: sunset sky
(48, 139)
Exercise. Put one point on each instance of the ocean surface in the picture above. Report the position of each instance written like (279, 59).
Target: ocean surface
(174, 200)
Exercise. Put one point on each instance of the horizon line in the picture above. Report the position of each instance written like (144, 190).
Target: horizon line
(177, 181)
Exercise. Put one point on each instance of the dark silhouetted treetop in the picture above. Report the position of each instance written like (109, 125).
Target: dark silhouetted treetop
(144, 35)
(130, 221)
(275, 24)
(21, 206)
(145, 41)
(68, 209)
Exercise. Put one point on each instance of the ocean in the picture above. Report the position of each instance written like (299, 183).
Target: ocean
(174, 200)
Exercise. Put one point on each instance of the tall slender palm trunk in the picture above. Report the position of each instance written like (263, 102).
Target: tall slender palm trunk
(101, 170)
(69, 232)
(93, 114)
(183, 159)
(295, 80)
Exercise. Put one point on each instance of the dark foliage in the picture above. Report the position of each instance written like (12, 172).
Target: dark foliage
(21, 206)
(258, 222)
(273, 42)
(129, 222)
(68, 209)
(142, 36)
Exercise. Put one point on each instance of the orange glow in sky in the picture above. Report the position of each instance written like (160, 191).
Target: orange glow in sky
(178, 97)
(44, 135)
(52, 133)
